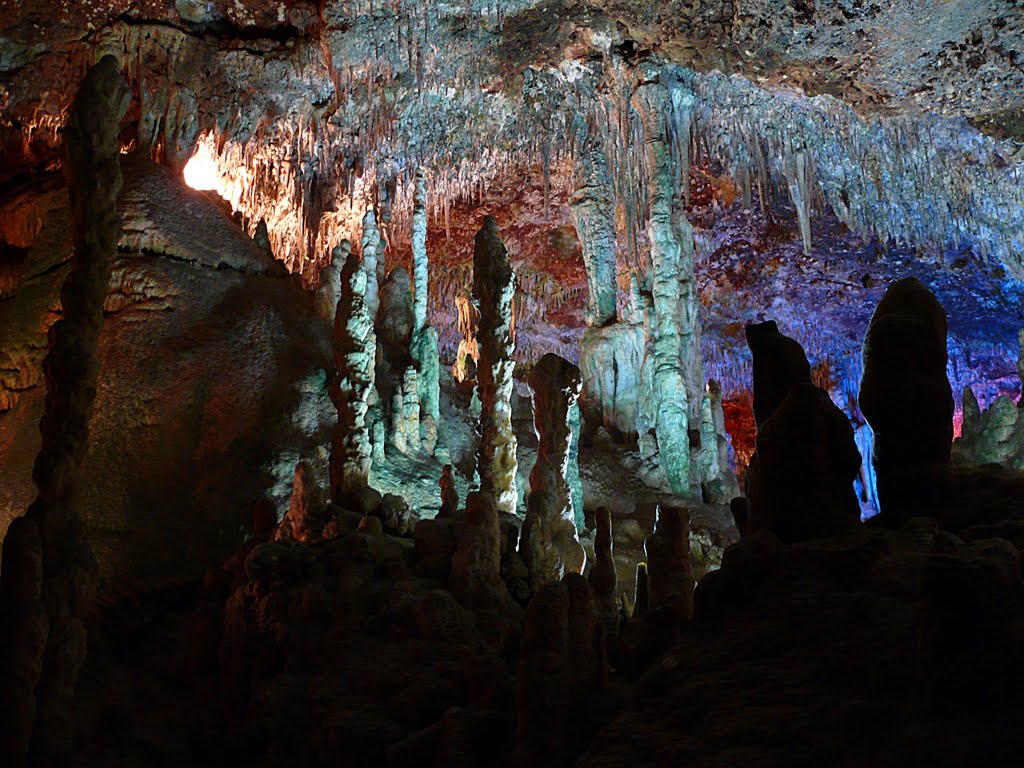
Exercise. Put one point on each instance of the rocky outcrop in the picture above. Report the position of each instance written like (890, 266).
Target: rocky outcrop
(51, 643)
(355, 346)
(549, 544)
(906, 398)
(493, 287)
(593, 214)
(328, 291)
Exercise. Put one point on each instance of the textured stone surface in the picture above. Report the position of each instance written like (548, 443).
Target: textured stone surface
(593, 215)
(549, 544)
(328, 290)
(493, 287)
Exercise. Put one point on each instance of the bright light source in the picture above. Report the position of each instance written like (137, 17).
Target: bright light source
(201, 171)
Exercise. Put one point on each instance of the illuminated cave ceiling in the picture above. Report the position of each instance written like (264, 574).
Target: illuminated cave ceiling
(305, 101)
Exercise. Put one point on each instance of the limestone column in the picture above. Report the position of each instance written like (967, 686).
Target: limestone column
(424, 346)
(48, 566)
(673, 331)
(493, 288)
(549, 545)
(355, 349)
(593, 214)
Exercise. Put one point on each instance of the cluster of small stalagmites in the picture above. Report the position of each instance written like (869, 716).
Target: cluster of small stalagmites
(49, 572)
(995, 435)
(800, 480)
(550, 545)
(493, 288)
(907, 399)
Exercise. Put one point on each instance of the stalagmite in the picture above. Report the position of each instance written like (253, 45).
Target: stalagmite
(800, 483)
(306, 515)
(424, 345)
(906, 398)
(673, 377)
(669, 580)
(47, 556)
(779, 364)
(419, 252)
(542, 689)
(476, 566)
(549, 544)
(371, 244)
(493, 286)
(593, 215)
(355, 346)
(449, 496)
(328, 292)
(603, 577)
(585, 640)
(572, 472)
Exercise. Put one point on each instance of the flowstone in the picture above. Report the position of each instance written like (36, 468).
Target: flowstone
(593, 214)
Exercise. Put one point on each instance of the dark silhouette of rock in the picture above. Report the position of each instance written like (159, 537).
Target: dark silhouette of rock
(449, 496)
(67, 582)
(669, 579)
(602, 577)
(907, 400)
(476, 564)
(800, 481)
(779, 363)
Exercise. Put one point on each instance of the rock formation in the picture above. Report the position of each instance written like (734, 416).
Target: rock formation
(468, 355)
(906, 398)
(306, 515)
(424, 345)
(476, 565)
(800, 483)
(549, 544)
(995, 435)
(493, 286)
(46, 644)
(355, 345)
(328, 291)
(542, 685)
(672, 377)
(371, 256)
(779, 363)
(602, 577)
(449, 496)
(610, 363)
(669, 579)
(593, 215)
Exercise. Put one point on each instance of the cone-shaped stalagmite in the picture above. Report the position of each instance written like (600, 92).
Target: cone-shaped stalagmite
(549, 544)
(493, 288)
(906, 398)
(355, 346)
(673, 376)
(670, 582)
(476, 567)
(593, 213)
(603, 577)
(38, 724)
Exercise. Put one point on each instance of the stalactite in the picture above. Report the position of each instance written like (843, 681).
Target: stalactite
(594, 217)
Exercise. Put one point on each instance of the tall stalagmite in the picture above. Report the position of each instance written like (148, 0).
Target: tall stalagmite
(424, 346)
(906, 397)
(673, 380)
(549, 544)
(355, 349)
(493, 288)
(46, 645)
(593, 213)
(371, 254)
